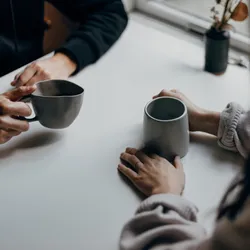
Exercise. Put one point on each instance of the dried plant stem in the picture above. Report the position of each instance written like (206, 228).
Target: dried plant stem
(223, 20)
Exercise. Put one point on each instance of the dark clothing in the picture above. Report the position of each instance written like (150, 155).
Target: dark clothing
(22, 29)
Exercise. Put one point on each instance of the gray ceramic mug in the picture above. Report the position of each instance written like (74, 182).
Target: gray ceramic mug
(165, 127)
(56, 103)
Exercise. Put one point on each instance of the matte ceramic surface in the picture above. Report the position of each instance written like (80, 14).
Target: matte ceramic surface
(56, 103)
(166, 127)
(216, 50)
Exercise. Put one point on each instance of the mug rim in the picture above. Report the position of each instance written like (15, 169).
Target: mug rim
(170, 120)
(61, 80)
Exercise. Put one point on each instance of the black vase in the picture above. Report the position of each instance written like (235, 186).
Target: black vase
(217, 48)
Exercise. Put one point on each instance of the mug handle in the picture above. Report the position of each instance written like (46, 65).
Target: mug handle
(22, 118)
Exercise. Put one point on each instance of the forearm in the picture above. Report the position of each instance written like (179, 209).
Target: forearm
(208, 122)
(65, 63)
(231, 126)
(101, 24)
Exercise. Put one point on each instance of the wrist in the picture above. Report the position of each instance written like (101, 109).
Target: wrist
(208, 122)
(160, 190)
(68, 66)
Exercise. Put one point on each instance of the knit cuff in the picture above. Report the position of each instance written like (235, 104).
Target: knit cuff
(177, 203)
(227, 134)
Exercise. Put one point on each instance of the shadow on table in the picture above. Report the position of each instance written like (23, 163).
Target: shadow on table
(209, 144)
(39, 139)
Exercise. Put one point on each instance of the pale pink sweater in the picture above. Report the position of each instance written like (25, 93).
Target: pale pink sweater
(169, 222)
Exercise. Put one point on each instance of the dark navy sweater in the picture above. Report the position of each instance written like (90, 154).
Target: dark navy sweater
(22, 30)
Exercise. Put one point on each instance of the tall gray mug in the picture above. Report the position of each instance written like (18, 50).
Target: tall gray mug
(56, 103)
(165, 127)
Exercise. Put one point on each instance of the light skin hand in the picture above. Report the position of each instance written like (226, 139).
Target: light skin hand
(9, 108)
(199, 119)
(153, 174)
(7, 135)
(57, 67)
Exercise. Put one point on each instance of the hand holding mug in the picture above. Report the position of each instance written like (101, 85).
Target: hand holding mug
(199, 119)
(56, 103)
(9, 108)
(194, 112)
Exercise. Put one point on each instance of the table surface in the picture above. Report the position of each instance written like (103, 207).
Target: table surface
(60, 190)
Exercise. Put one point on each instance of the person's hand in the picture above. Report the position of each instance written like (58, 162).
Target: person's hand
(57, 67)
(9, 108)
(199, 118)
(194, 112)
(153, 174)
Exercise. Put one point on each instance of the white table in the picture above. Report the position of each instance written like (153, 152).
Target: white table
(60, 190)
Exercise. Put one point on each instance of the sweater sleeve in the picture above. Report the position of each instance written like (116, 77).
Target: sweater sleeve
(101, 24)
(168, 222)
(163, 222)
(234, 129)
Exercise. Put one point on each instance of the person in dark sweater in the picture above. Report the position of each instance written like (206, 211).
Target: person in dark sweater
(101, 22)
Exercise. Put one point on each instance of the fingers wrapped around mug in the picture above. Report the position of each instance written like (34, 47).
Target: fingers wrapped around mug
(17, 93)
(10, 123)
(6, 135)
(14, 108)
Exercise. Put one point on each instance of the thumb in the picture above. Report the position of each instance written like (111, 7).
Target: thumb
(178, 163)
(162, 93)
(18, 93)
(170, 93)
(13, 83)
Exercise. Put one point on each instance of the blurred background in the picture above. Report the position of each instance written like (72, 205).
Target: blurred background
(190, 15)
